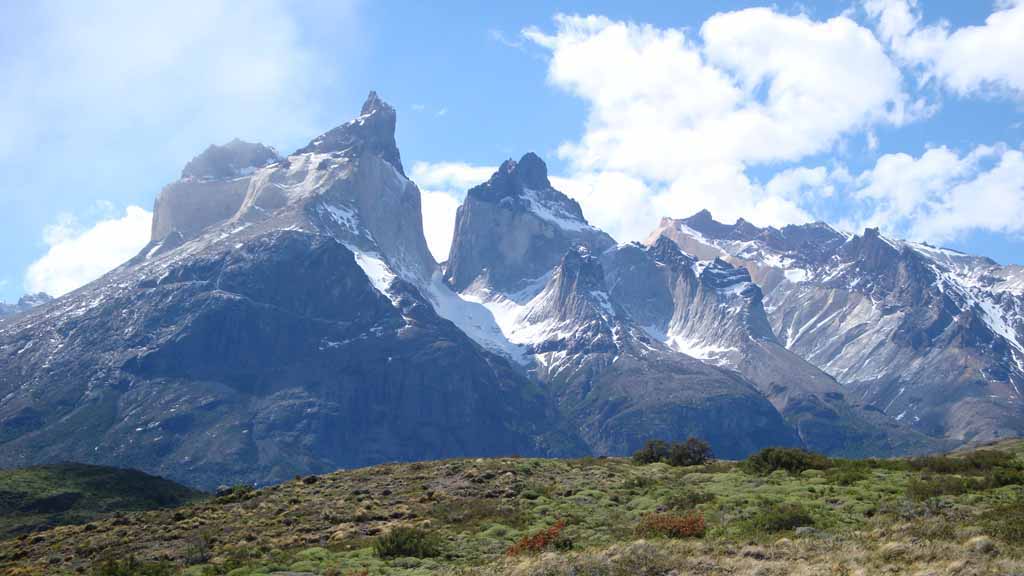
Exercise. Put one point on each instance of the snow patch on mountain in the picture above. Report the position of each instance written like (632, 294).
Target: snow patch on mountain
(553, 212)
(488, 323)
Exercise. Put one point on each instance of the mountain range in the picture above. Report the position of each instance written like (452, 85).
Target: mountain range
(287, 318)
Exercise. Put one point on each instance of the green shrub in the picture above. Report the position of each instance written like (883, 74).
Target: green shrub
(792, 460)
(236, 493)
(692, 452)
(974, 463)
(780, 518)
(405, 541)
(1006, 522)
(1006, 477)
(688, 500)
(131, 567)
(653, 451)
(933, 486)
(848, 472)
(198, 548)
(469, 513)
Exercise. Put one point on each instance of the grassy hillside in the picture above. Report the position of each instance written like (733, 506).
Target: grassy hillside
(782, 513)
(40, 497)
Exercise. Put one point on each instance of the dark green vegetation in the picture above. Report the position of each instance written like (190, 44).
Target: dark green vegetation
(779, 512)
(407, 542)
(44, 496)
(690, 453)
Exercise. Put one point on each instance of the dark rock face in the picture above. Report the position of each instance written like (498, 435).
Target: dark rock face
(515, 228)
(254, 364)
(931, 336)
(24, 304)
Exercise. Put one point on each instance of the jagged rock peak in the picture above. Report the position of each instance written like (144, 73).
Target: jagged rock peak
(34, 299)
(373, 131)
(374, 103)
(234, 159)
(666, 251)
(533, 172)
(25, 303)
(513, 178)
(702, 216)
(582, 268)
(576, 290)
(721, 274)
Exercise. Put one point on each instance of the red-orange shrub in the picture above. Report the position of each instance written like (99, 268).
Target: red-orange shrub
(672, 526)
(538, 541)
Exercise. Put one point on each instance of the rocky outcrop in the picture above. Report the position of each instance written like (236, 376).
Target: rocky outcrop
(211, 189)
(514, 228)
(371, 134)
(24, 304)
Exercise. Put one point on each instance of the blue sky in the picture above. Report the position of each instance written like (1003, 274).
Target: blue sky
(905, 116)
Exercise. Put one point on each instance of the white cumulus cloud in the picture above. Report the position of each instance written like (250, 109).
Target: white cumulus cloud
(678, 119)
(77, 256)
(443, 185)
(942, 194)
(966, 59)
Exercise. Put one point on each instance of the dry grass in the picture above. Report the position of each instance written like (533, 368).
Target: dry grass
(477, 510)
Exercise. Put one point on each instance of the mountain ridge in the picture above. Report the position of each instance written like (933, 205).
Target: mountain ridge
(287, 317)
(931, 312)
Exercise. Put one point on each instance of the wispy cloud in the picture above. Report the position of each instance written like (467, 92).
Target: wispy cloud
(188, 69)
(501, 38)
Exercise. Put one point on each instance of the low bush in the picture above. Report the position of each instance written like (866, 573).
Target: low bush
(653, 451)
(469, 513)
(131, 567)
(404, 541)
(974, 463)
(550, 538)
(236, 493)
(781, 517)
(198, 548)
(848, 472)
(792, 460)
(1006, 522)
(686, 500)
(671, 526)
(933, 486)
(692, 452)
(1005, 477)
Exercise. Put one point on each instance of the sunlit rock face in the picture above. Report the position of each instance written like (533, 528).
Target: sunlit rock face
(211, 188)
(515, 227)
